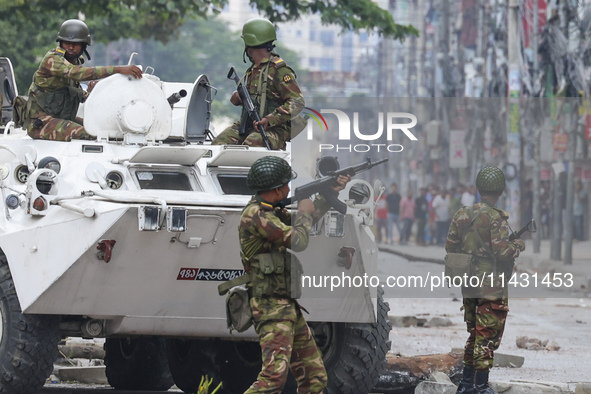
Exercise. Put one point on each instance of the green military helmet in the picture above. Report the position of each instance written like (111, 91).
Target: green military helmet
(74, 30)
(258, 31)
(490, 179)
(269, 172)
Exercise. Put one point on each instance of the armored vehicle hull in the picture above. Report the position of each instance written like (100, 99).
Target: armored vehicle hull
(127, 237)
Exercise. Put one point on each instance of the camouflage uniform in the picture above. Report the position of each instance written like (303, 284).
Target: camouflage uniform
(484, 316)
(54, 73)
(285, 338)
(283, 101)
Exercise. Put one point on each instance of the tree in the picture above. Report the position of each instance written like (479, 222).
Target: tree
(29, 26)
(350, 14)
(161, 19)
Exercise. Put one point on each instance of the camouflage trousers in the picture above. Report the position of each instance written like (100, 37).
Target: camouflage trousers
(231, 136)
(288, 344)
(485, 321)
(45, 127)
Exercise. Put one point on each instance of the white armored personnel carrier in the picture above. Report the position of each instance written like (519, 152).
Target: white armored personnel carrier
(126, 237)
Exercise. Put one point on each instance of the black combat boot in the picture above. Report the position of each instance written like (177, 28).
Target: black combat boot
(467, 383)
(481, 383)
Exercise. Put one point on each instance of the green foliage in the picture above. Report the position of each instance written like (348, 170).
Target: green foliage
(161, 19)
(202, 47)
(350, 14)
(25, 46)
(206, 381)
(28, 29)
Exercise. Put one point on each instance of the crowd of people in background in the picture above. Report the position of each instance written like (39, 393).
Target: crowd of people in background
(427, 217)
(431, 210)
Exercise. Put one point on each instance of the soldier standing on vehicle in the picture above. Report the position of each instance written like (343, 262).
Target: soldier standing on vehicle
(482, 231)
(272, 86)
(265, 232)
(55, 94)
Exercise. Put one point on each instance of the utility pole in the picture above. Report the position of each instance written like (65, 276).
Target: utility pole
(556, 236)
(513, 131)
(478, 137)
(536, 209)
(556, 243)
(380, 56)
(570, 180)
(570, 185)
(421, 91)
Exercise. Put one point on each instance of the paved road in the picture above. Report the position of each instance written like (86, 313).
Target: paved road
(64, 388)
(562, 317)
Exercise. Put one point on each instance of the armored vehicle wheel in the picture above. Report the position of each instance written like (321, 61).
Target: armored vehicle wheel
(240, 366)
(190, 359)
(235, 363)
(28, 344)
(354, 353)
(137, 364)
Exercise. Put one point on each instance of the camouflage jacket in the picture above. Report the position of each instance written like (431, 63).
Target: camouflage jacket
(264, 229)
(55, 72)
(284, 98)
(492, 226)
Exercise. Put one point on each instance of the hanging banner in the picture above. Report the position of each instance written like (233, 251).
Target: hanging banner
(458, 154)
(560, 142)
(545, 174)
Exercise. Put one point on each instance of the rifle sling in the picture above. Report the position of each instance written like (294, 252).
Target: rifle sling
(262, 86)
(482, 243)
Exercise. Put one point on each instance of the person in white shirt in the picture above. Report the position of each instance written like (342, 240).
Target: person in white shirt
(442, 218)
(469, 197)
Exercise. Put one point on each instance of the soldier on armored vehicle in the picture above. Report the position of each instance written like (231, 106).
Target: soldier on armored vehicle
(55, 93)
(273, 87)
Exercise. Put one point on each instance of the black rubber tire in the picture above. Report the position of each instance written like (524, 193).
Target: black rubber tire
(28, 343)
(240, 365)
(354, 353)
(191, 359)
(137, 363)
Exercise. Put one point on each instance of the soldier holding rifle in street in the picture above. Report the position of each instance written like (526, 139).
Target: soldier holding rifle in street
(273, 88)
(482, 231)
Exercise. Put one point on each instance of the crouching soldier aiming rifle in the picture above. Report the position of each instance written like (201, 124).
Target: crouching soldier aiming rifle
(266, 232)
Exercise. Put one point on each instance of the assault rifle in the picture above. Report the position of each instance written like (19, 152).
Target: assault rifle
(250, 111)
(530, 226)
(324, 185)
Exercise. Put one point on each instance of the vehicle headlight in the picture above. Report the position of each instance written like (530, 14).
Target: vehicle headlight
(50, 163)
